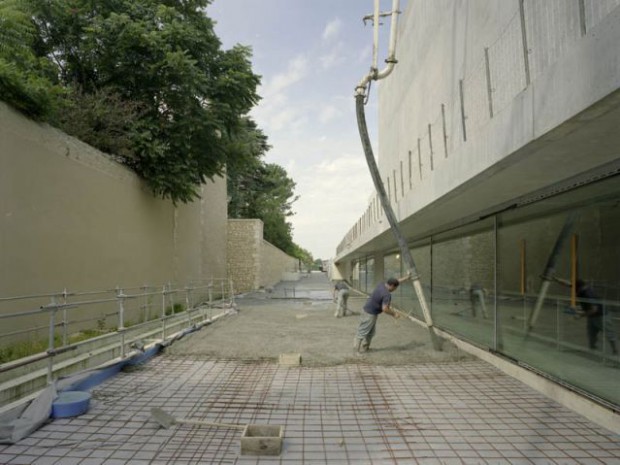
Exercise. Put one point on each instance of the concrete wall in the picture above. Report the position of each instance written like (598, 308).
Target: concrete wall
(252, 261)
(72, 218)
(274, 263)
(490, 102)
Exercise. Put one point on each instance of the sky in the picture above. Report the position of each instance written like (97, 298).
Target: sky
(311, 54)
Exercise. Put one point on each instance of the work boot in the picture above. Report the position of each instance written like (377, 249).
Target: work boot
(357, 344)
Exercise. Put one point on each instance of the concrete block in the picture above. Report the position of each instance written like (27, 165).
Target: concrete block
(262, 440)
(290, 359)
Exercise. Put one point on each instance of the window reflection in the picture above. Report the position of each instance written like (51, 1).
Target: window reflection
(539, 283)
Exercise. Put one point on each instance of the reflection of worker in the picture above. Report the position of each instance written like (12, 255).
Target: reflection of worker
(341, 296)
(477, 295)
(378, 302)
(594, 312)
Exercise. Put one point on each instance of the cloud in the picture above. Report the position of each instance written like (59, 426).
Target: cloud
(277, 112)
(332, 29)
(335, 193)
(334, 57)
(296, 70)
(289, 119)
(328, 113)
(365, 55)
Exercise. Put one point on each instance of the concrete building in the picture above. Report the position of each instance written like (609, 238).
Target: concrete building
(498, 145)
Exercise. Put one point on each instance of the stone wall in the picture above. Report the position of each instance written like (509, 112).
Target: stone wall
(253, 262)
(244, 246)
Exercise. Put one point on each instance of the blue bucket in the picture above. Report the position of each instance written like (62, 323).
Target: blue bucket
(70, 404)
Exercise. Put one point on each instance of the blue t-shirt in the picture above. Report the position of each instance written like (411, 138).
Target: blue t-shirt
(595, 309)
(379, 297)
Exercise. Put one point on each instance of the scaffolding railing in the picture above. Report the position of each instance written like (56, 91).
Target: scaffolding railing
(51, 328)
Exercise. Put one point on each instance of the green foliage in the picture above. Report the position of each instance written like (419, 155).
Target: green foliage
(304, 256)
(36, 346)
(174, 309)
(102, 119)
(261, 190)
(148, 82)
(22, 349)
(26, 81)
(152, 74)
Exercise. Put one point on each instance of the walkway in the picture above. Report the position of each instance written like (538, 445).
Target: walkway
(350, 410)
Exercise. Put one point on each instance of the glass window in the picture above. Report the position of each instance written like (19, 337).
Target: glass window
(370, 275)
(463, 282)
(406, 298)
(391, 266)
(558, 275)
(355, 274)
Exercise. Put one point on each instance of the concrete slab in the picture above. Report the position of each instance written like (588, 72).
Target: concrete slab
(460, 412)
(290, 359)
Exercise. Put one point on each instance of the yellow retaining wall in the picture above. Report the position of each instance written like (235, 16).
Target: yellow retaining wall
(70, 217)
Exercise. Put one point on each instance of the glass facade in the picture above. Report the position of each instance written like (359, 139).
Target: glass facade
(463, 282)
(539, 283)
(370, 275)
(404, 297)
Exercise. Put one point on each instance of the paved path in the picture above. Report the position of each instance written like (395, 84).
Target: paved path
(268, 325)
(422, 408)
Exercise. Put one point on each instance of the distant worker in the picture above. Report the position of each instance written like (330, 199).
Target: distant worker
(378, 302)
(477, 297)
(341, 296)
(597, 319)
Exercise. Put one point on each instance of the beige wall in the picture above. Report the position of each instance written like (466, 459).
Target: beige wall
(252, 261)
(274, 263)
(72, 218)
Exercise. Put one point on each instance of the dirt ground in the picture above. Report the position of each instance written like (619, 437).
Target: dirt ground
(267, 324)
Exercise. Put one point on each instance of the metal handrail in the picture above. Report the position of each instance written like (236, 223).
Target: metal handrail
(61, 304)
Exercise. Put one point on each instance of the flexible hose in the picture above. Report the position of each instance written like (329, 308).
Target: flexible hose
(549, 272)
(391, 217)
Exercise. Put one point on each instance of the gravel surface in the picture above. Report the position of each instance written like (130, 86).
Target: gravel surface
(267, 325)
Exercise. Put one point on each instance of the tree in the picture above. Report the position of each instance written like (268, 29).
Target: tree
(264, 190)
(163, 58)
(26, 81)
(261, 190)
(147, 82)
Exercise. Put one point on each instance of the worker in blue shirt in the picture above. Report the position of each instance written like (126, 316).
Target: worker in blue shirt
(377, 303)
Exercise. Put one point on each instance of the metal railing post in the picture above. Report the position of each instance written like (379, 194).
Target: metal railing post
(557, 324)
(163, 313)
(603, 332)
(144, 290)
(50, 361)
(65, 323)
(188, 304)
(121, 319)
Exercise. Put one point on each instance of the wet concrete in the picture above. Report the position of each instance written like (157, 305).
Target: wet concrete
(273, 322)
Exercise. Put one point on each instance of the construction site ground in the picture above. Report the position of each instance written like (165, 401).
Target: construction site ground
(400, 403)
